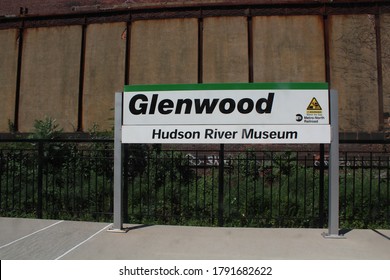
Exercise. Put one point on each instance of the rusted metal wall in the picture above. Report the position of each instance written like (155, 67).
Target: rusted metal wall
(68, 67)
(354, 71)
(385, 58)
(225, 50)
(8, 67)
(164, 51)
(104, 73)
(288, 49)
(50, 76)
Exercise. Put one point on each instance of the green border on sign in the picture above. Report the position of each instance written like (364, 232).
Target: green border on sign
(227, 86)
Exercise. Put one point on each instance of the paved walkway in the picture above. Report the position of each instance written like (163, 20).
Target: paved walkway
(30, 239)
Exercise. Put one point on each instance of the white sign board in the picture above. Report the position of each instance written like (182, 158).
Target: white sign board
(227, 113)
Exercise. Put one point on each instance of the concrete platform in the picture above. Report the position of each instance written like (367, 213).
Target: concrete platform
(31, 239)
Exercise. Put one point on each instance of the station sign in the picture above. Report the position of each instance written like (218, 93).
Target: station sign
(252, 113)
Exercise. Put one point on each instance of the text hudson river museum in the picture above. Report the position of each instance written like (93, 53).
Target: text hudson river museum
(209, 114)
(223, 134)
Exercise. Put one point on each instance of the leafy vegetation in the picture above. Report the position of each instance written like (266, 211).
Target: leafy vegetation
(74, 180)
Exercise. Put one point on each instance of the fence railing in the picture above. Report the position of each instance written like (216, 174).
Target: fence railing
(73, 179)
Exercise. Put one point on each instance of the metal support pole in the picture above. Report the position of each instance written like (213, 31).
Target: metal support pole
(118, 219)
(321, 199)
(125, 192)
(334, 187)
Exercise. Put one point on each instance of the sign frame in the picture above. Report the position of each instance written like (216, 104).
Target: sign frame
(333, 188)
(254, 113)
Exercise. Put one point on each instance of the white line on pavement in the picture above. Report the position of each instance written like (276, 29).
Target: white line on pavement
(70, 250)
(19, 239)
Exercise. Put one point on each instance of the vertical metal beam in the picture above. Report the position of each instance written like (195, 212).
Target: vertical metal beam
(379, 70)
(81, 76)
(128, 51)
(334, 187)
(118, 215)
(18, 78)
(325, 22)
(250, 48)
(200, 50)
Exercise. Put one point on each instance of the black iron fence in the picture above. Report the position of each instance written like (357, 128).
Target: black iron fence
(73, 179)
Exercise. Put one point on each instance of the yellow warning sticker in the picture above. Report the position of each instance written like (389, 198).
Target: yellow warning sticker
(314, 107)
